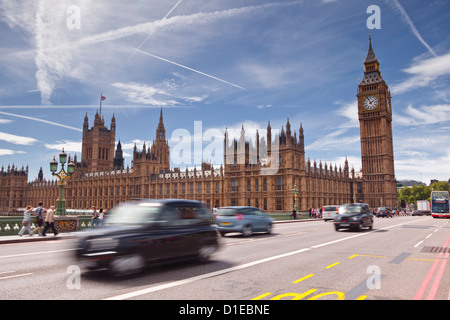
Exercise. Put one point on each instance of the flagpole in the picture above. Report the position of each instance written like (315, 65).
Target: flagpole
(101, 96)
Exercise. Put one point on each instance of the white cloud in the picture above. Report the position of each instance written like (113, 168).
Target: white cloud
(144, 94)
(69, 146)
(333, 141)
(159, 95)
(8, 152)
(14, 139)
(5, 121)
(424, 73)
(424, 115)
(349, 110)
(130, 145)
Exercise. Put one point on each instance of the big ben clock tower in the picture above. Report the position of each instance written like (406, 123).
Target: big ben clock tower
(375, 121)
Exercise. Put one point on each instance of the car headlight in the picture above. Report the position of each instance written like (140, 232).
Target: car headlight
(102, 244)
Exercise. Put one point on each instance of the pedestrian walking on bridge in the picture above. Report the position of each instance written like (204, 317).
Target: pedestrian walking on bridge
(26, 222)
(50, 222)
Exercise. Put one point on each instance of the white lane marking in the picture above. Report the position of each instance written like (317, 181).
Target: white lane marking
(418, 244)
(16, 276)
(34, 253)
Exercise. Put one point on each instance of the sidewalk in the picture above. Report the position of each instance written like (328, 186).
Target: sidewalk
(35, 237)
(69, 235)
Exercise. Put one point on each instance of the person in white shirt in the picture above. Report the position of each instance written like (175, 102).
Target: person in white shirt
(26, 222)
(50, 222)
(101, 217)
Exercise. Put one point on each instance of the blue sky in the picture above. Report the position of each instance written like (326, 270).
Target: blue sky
(226, 64)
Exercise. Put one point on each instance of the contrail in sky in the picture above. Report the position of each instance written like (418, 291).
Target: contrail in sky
(185, 67)
(41, 120)
(153, 30)
(413, 28)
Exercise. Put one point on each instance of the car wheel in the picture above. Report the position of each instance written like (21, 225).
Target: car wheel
(126, 265)
(360, 226)
(205, 252)
(247, 231)
(269, 228)
(336, 228)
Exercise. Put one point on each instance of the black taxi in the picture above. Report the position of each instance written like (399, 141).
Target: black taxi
(354, 216)
(145, 232)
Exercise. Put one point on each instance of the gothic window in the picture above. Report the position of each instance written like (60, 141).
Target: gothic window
(279, 184)
(234, 185)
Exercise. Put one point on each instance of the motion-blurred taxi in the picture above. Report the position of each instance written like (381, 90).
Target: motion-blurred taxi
(354, 216)
(145, 232)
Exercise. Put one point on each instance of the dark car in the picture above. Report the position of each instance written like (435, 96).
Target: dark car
(354, 216)
(145, 232)
(417, 213)
(384, 212)
(245, 220)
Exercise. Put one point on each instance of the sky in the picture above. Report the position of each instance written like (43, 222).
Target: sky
(215, 65)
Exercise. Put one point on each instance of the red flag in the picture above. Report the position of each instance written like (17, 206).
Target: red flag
(103, 98)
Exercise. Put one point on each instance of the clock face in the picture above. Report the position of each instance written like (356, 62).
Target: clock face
(370, 102)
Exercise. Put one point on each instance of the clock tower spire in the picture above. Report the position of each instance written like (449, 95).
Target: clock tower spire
(375, 120)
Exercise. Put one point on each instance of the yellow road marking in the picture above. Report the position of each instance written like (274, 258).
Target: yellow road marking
(369, 255)
(353, 256)
(420, 259)
(332, 265)
(296, 296)
(340, 295)
(304, 278)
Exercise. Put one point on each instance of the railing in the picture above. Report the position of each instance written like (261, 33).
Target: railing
(12, 225)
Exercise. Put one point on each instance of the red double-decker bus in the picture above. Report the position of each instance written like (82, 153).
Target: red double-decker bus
(439, 204)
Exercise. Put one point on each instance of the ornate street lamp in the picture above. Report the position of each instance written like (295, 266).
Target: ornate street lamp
(295, 193)
(62, 176)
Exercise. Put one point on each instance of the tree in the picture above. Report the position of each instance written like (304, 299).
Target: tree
(440, 186)
(411, 195)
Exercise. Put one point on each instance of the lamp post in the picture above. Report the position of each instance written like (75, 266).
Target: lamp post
(295, 193)
(62, 176)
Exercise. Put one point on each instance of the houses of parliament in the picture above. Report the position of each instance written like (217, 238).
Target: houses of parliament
(244, 179)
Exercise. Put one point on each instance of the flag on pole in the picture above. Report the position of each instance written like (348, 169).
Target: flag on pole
(101, 99)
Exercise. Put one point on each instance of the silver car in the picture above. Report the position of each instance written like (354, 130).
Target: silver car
(245, 220)
(330, 212)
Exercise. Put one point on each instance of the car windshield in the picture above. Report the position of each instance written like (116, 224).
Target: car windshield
(382, 209)
(332, 208)
(134, 214)
(351, 209)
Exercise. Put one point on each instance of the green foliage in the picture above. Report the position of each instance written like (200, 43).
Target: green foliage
(411, 195)
(421, 192)
(440, 186)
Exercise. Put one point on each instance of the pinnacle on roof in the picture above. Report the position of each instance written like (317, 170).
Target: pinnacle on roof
(370, 54)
